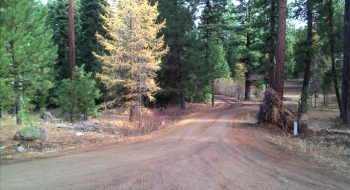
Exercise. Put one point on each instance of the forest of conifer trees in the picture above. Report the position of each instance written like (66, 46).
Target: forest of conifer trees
(156, 53)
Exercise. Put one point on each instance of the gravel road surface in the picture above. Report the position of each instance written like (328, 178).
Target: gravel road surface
(198, 153)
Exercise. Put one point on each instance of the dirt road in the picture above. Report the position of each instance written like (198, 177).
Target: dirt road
(200, 153)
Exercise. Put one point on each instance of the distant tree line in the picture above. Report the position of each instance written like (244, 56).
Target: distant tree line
(163, 52)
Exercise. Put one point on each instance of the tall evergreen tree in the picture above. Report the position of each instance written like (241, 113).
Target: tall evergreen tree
(346, 66)
(134, 51)
(272, 40)
(329, 27)
(267, 23)
(71, 38)
(212, 19)
(249, 44)
(212, 31)
(217, 63)
(76, 97)
(29, 54)
(305, 11)
(6, 92)
(308, 57)
(177, 65)
(91, 23)
(281, 46)
(58, 21)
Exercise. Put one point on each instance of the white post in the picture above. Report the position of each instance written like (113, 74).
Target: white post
(295, 128)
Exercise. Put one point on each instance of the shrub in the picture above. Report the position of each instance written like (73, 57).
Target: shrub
(30, 130)
(207, 94)
(30, 133)
(76, 98)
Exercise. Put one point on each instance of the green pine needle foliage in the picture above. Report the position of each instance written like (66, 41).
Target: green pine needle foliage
(27, 53)
(32, 132)
(76, 98)
(7, 98)
(306, 102)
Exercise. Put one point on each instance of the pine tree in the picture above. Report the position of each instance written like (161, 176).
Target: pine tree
(329, 27)
(212, 31)
(346, 66)
(248, 41)
(281, 47)
(29, 54)
(58, 21)
(272, 41)
(7, 95)
(176, 74)
(212, 19)
(134, 51)
(217, 64)
(267, 23)
(77, 97)
(91, 23)
(71, 29)
(308, 58)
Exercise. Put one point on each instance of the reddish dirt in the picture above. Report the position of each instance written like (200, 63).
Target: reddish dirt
(215, 149)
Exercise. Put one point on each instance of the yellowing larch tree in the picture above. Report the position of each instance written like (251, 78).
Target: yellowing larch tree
(133, 51)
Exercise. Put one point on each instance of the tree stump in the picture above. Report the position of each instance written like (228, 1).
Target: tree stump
(273, 111)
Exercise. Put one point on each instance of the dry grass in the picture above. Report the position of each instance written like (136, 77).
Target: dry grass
(330, 149)
(59, 141)
(151, 120)
(114, 125)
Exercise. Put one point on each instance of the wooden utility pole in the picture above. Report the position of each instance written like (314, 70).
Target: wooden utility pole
(71, 39)
(281, 47)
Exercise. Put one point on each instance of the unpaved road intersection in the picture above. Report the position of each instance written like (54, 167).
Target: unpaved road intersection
(198, 153)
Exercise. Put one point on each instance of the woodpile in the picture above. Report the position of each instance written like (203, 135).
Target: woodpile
(273, 111)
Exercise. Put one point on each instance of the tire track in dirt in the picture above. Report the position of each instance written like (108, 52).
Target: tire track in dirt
(199, 153)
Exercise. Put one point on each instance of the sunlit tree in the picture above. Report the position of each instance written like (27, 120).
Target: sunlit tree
(134, 51)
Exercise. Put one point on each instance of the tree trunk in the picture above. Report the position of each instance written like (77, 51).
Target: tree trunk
(272, 75)
(182, 99)
(272, 111)
(17, 107)
(71, 116)
(132, 114)
(181, 71)
(18, 100)
(247, 86)
(212, 92)
(281, 46)
(71, 39)
(332, 40)
(248, 72)
(308, 59)
(272, 45)
(346, 65)
(85, 118)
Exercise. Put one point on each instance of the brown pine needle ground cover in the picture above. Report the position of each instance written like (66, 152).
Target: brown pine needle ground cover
(114, 130)
(331, 149)
(327, 140)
